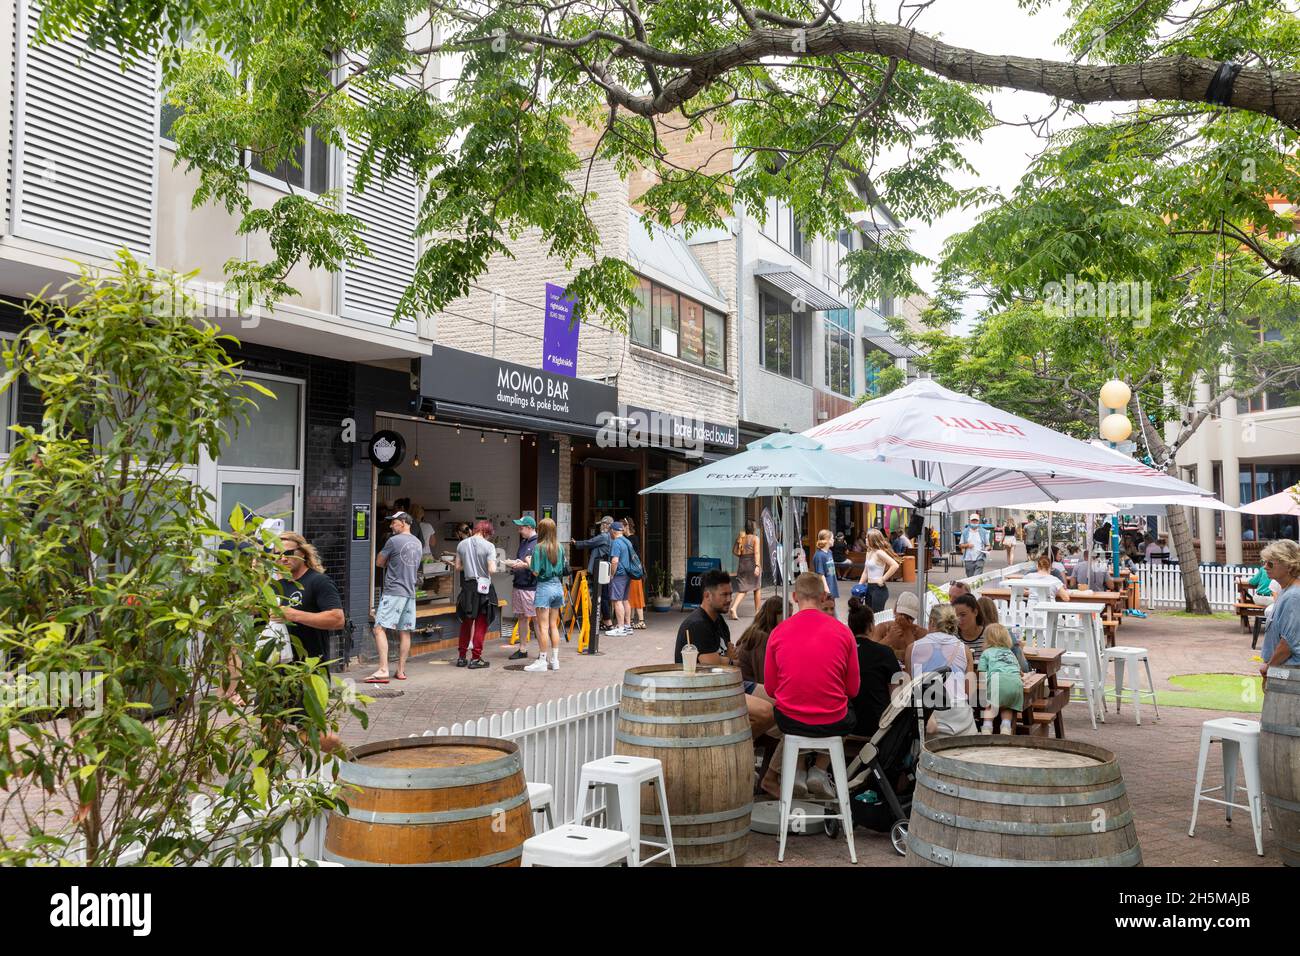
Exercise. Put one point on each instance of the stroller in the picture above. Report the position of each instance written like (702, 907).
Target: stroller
(890, 757)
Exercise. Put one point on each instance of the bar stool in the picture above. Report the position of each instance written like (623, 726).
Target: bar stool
(794, 745)
(1122, 655)
(574, 845)
(1240, 739)
(541, 797)
(624, 776)
(1082, 662)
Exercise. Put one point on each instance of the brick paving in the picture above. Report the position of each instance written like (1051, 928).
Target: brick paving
(1158, 759)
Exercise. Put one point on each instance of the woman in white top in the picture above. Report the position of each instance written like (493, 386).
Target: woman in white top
(1044, 575)
(423, 530)
(878, 566)
(942, 647)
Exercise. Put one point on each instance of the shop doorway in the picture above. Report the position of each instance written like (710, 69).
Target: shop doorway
(654, 537)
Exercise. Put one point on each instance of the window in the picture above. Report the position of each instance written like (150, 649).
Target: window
(677, 325)
(838, 330)
(310, 168)
(784, 229)
(692, 331)
(800, 245)
(260, 467)
(715, 340)
(783, 338)
(874, 362)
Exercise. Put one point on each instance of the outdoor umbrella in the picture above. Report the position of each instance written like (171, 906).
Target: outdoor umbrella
(985, 456)
(792, 466)
(1284, 503)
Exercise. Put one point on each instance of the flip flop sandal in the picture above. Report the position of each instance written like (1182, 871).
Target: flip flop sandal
(376, 680)
(401, 676)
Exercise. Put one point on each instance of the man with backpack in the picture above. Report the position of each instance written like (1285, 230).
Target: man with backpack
(624, 565)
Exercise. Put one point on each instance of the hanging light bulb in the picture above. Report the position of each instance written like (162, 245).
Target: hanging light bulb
(481, 439)
(457, 429)
(504, 438)
(415, 462)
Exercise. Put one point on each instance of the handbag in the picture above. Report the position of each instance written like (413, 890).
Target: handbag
(277, 631)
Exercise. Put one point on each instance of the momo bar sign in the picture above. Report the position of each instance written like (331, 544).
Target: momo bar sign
(450, 376)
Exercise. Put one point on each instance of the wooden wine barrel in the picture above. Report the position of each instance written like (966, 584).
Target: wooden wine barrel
(698, 726)
(1019, 801)
(1279, 759)
(432, 801)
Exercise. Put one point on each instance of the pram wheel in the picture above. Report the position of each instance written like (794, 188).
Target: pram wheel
(898, 837)
(832, 828)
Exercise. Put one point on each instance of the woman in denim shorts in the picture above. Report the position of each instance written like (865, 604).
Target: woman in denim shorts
(548, 564)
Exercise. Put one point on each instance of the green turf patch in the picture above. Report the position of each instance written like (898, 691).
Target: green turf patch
(1215, 616)
(1233, 692)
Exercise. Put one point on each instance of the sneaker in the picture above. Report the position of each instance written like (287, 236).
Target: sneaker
(519, 655)
(622, 631)
(555, 663)
(461, 662)
(819, 784)
(479, 664)
(538, 666)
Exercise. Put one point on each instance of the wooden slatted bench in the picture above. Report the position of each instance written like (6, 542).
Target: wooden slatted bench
(1246, 611)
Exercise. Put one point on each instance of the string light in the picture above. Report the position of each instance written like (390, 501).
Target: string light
(481, 439)
(505, 439)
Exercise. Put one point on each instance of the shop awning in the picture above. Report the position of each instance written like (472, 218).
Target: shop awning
(453, 413)
(891, 346)
(795, 286)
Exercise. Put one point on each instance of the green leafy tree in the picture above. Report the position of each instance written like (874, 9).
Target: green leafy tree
(815, 97)
(120, 616)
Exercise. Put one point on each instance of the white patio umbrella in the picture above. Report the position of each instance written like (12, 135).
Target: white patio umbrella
(792, 466)
(986, 457)
(1284, 503)
(1151, 505)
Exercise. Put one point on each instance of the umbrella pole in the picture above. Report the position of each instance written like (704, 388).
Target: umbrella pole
(787, 553)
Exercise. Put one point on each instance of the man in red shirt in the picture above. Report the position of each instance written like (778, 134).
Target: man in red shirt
(811, 668)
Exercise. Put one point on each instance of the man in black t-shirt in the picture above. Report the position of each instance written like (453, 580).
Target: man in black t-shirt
(310, 605)
(709, 633)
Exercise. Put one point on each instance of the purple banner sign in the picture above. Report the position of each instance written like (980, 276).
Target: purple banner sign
(560, 335)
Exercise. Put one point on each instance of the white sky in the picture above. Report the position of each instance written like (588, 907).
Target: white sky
(1001, 157)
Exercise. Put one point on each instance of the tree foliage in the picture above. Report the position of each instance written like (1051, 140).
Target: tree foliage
(118, 612)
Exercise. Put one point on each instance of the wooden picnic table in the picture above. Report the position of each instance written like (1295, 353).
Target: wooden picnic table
(1047, 661)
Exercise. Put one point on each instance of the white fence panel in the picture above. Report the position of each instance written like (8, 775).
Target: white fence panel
(1162, 585)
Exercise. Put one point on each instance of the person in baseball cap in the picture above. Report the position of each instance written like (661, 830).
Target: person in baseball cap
(973, 545)
(524, 593)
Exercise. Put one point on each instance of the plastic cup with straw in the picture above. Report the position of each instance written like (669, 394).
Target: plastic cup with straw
(690, 655)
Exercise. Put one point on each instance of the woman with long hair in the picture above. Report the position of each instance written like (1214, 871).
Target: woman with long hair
(548, 564)
(752, 647)
(1009, 538)
(636, 586)
(748, 578)
(878, 566)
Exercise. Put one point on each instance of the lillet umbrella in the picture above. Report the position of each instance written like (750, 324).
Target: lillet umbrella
(792, 466)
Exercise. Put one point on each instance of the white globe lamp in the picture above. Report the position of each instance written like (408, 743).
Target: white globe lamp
(1115, 394)
(1116, 428)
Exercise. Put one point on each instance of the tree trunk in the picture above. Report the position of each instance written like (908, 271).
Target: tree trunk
(1195, 600)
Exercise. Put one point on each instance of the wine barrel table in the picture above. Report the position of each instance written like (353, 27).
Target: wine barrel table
(697, 725)
(431, 801)
(1020, 801)
(1279, 758)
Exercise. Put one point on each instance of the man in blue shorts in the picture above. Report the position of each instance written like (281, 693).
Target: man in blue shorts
(400, 560)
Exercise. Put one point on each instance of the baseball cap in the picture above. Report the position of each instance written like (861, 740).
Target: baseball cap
(527, 521)
(607, 519)
(401, 516)
(616, 526)
(974, 516)
(858, 591)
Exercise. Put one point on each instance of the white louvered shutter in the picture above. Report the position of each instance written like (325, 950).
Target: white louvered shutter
(372, 287)
(86, 146)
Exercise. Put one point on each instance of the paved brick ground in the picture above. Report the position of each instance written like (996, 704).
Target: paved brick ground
(1158, 759)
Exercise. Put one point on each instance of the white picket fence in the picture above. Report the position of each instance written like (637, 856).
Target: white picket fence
(555, 738)
(1162, 585)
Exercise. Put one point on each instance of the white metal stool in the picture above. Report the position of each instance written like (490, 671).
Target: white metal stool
(574, 845)
(541, 797)
(793, 746)
(1082, 663)
(624, 776)
(1136, 655)
(1240, 739)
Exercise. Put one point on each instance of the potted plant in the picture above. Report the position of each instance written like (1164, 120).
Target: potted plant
(661, 589)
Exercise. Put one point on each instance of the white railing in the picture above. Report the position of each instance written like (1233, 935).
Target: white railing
(1162, 585)
(555, 738)
(975, 582)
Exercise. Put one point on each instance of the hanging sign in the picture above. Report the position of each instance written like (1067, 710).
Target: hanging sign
(560, 334)
(387, 449)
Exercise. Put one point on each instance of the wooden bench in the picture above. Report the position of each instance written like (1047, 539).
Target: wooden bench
(425, 615)
(1246, 611)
